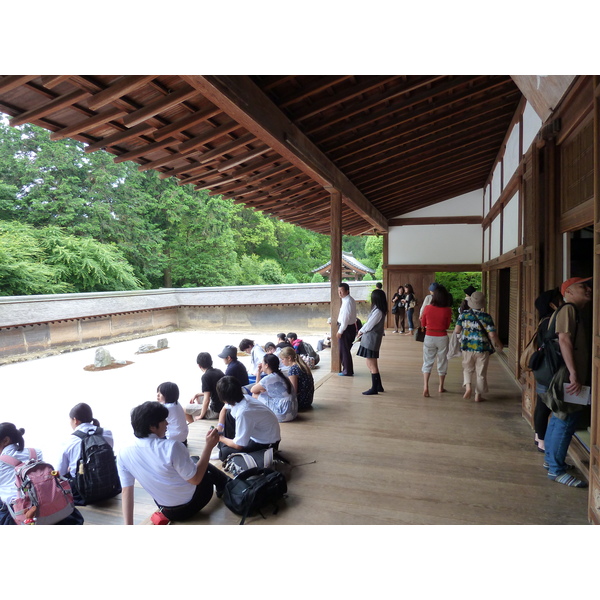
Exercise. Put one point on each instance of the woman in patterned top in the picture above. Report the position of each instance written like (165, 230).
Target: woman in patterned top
(476, 346)
(300, 376)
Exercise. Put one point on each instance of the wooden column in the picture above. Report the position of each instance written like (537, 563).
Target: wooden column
(336, 272)
(594, 473)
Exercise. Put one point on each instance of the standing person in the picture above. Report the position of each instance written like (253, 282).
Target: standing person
(167, 393)
(464, 305)
(12, 445)
(82, 420)
(410, 301)
(256, 354)
(428, 298)
(398, 308)
(179, 486)
(379, 286)
(575, 351)
(347, 329)
(275, 390)
(371, 334)
(546, 303)
(210, 406)
(436, 319)
(234, 367)
(476, 345)
(300, 376)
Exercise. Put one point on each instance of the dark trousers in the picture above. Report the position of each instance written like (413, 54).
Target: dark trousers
(399, 318)
(345, 347)
(213, 478)
(229, 432)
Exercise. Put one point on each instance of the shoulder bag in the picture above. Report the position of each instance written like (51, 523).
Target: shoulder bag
(485, 332)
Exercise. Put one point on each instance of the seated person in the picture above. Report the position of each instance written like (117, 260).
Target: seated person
(12, 446)
(296, 343)
(300, 377)
(167, 393)
(82, 419)
(210, 406)
(282, 341)
(275, 390)
(271, 348)
(326, 341)
(163, 467)
(256, 354)
(245, 424)
(234, 367)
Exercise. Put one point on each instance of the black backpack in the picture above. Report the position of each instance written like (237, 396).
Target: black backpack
(253, 490)
(97, 477)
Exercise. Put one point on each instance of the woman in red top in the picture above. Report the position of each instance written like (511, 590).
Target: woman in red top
(436, 320)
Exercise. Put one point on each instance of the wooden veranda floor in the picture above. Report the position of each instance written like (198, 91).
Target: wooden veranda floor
(398, 458)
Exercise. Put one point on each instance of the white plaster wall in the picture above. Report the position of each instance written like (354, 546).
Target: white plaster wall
(486, 245)
(511, 154)
(531, 125)
(465, 205)
(510, 225)
(496, 183)
(487, 199)
(434, 244)
(495, 235)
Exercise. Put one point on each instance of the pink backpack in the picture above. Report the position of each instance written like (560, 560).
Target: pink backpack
(43, 496)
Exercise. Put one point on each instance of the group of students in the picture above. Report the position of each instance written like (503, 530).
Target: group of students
(247, 415)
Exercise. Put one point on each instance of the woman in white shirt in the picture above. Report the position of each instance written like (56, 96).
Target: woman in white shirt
(168, 393)
(275, 390)
(82, 419)
(12, 444)
(371, 334)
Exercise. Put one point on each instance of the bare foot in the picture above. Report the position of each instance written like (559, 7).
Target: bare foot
(426, 394)
(467, 393)
(479, 398)
(442, 390)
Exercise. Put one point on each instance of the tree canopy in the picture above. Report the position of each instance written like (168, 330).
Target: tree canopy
(77, 221)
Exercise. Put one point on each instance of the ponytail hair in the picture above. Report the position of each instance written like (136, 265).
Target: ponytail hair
(170, 391)
(296, 358)
(272, 361)
(13, 434)
(83, 413)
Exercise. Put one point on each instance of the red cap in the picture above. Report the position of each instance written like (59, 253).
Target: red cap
(570, 282)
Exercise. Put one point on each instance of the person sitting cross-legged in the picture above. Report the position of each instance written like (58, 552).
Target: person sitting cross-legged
(245, 423)
(179, 486)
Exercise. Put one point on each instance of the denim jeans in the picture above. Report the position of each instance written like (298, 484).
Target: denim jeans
(409, 317)
(557, 439)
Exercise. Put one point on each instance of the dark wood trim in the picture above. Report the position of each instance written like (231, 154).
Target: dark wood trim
(578, 217)
(466, 220)
(508, 259)
(237, 95)
(335, 216)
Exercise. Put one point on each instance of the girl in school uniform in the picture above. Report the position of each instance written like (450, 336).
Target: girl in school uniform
(177, 427)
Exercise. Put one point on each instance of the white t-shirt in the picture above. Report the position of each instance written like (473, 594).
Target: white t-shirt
(177, 426)
(162, 467)
(67, 462)
(283, 403)
(256, 357)
(254, 421)
(8, 491)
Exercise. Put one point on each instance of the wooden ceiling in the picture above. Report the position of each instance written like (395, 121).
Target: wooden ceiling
(389, 144)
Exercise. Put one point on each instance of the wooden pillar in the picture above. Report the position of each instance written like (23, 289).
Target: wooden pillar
(594, 472)
(336, 272)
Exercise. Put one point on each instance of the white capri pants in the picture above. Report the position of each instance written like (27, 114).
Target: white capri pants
(433, 346)
(475, 363)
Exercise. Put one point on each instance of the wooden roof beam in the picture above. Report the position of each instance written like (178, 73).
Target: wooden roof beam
(54, 105)
(119, 137)
(156, 107)
(87, 124)
(118, 88)
(180, 125)
(194, 143)
(146, 149)
(243, 101)
(11, 82)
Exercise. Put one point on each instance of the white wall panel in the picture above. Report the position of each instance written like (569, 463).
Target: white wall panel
(434, 244)
(531, 126)
(496, 183)
(466, 205)
(511, 154)
(486, 245)
(495, 235)
(510, 225)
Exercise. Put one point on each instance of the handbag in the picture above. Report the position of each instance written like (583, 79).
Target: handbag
(454, 350)
(419, 334)
(485, 332)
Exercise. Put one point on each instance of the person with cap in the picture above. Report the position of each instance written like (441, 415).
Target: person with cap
(234, 367)
(464, 305)
(478, 335)
(427, 300)
(575, 351)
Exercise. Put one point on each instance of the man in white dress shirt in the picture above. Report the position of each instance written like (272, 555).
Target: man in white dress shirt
(347, 329)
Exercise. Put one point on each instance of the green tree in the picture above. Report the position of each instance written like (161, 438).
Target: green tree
(317, 278)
